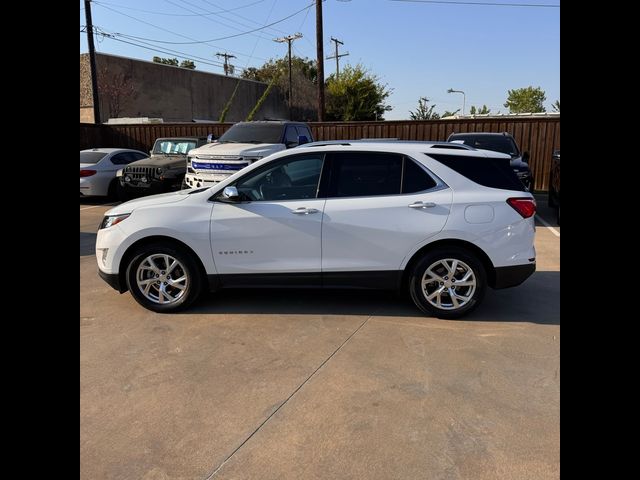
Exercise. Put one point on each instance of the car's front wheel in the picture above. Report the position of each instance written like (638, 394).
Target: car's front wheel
(163, 278)
(448, 283)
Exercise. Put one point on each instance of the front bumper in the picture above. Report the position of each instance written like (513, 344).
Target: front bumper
(193, 180)
(512, 276)
(113, 280)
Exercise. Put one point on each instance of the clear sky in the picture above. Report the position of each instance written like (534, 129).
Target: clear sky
(416, 48)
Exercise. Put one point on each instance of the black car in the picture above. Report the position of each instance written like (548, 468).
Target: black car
(163, 171)
(554, 184)
(503, 143)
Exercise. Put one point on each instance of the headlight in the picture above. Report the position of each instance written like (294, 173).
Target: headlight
(111, 220)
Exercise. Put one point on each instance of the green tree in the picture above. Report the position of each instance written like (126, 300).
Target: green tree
(448, 113)
(188, 64)
(356, 95)
(556, 106)
(526, 100)
(304, 78)
(166, 61)
(424, 111)
(479, 110)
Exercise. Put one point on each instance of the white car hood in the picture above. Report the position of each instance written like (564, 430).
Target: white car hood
(237, 149)
(149, 201)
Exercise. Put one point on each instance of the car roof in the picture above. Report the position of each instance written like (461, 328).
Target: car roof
(482, 134)
(181, 138)
(111, 150)
(409, 146)
(271, 122)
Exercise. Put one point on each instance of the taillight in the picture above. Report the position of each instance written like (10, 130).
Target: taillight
(524, 206)
(87, 173)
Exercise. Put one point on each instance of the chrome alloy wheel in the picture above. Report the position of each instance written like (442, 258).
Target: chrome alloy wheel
(162, 279)
(448, 284)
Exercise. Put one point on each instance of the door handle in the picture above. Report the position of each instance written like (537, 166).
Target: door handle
(304, 211)
(422, 205)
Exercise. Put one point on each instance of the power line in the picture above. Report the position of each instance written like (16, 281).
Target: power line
(179, 14)
(491, 4)
(241, 16)
(229, 36)
(162, 29)
(337, 56)
(214, 21)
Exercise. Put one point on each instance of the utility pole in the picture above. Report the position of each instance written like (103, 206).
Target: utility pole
(289, 39)
(227, 68)
(337, 57)
(320, 60)
(92, 62)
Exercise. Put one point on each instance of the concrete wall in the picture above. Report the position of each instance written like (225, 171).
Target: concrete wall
(172, 93)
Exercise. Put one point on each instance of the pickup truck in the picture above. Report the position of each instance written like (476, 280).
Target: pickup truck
(241, 145)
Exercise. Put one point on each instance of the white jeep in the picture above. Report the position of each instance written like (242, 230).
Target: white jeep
(241, 145)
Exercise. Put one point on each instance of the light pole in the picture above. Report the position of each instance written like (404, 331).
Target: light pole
(464, 97)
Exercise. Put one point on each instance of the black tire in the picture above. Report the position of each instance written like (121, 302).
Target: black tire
(184, 185)
(455, 253)
(187, 266)
(112, 192)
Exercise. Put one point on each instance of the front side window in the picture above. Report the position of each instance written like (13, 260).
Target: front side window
(291, 135)
(292, 178)
(365, 174)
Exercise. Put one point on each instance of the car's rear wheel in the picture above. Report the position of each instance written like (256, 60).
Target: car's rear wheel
(163, 278)
(448, 283)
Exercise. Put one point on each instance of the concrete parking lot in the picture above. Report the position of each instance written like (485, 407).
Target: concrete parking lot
(290, 384)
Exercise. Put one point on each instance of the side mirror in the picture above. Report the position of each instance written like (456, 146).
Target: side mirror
(211, 138)
(230, 194)
(150, 152)
(525, 157)
(290, 144)
(302, 139)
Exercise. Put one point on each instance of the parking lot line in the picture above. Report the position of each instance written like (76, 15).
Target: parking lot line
(546, 224)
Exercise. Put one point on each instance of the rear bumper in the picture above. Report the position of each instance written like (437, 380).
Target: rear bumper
(512, 276)
(113, 280)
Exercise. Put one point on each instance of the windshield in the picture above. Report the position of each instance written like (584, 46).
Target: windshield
(174, 147)
(91, 157)
(248, 133)
(495, 143)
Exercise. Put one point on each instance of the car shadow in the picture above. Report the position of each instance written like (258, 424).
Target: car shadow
(535, 301)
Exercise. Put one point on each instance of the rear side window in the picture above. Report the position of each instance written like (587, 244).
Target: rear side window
(489, 172)
(415, 179)
(360, 174)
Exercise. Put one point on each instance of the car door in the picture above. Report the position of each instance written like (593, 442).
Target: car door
(379, 207)
(273, 235)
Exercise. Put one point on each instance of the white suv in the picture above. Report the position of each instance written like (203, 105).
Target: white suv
(440, 220)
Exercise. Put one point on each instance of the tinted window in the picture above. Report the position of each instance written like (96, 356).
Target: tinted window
(291, 135)
(302, 130)
(122, 158)
(91, 157)
(495, 143)
(490, 172)
(253, 133)
(365, 174)
(139, 156)
(415, 179)
(288, 179)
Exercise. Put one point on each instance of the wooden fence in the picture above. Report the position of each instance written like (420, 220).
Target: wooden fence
(538, 136)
